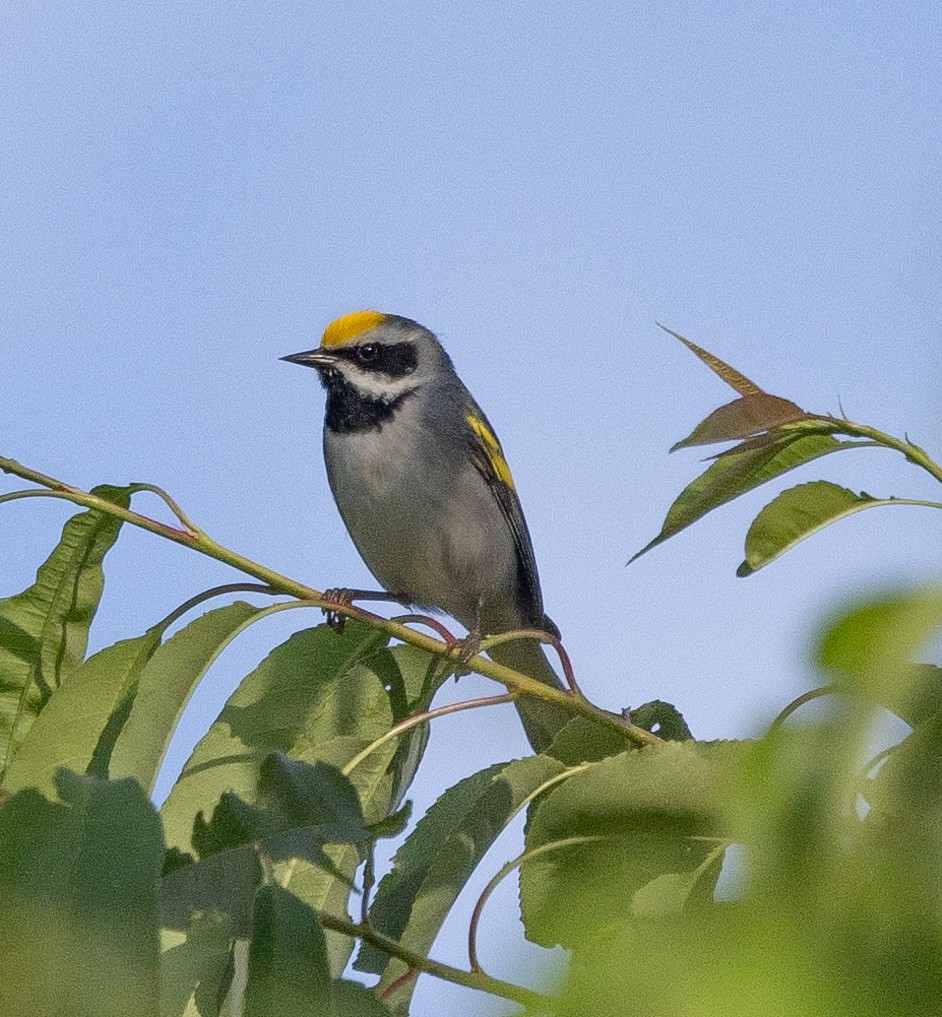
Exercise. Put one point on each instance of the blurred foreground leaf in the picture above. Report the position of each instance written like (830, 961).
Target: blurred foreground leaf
(643, 814)
(78, 900)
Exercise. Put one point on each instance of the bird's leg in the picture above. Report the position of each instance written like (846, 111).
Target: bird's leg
(343, 596)
(468, 647)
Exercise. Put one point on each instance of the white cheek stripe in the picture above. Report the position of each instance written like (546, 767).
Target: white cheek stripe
(374, 386)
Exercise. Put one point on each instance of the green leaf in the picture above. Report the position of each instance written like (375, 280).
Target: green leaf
(796, 514)
(920, 698)
(44, 630)
(438, 857)
(194, 968)
(582, 740)
(165, 687)
(354, 1000)
(319, 696)
(78, 900)
(742, 418)
(872, 647)
(664, 895)
(738, 472)
(222, 885)
(644, 812)
(663, 719)
(303, 808)
(289, 975)
(81, 722)
(318, 794)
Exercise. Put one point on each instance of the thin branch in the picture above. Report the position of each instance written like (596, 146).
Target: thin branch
(470, 979)
(215, 591)
(515, 681)
(505, 871)
(428, 622)
(421, 718)
(369, 878)
(540, 636)
(916, 455)
(185, 521)
(795, 704)
(881, 757)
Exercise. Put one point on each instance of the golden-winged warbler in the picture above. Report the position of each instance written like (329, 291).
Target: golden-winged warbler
(424, 490)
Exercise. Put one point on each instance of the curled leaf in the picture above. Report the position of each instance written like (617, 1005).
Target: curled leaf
(794, 515)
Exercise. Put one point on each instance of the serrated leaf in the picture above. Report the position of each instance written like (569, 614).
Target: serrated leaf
(222, 884)
(78, 884)
(289, 975)
(645, 811)
(81, 722)
(165, 686)
(796, 514)
(732, 377)
(438, 857)
(663, 719)
(738, 472)
(582, 740)
(743, 418)
(318, 696)
(44, 630)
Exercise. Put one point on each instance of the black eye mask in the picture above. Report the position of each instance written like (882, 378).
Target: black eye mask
(395, 360)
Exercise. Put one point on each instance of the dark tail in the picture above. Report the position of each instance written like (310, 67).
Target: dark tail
(541, 720)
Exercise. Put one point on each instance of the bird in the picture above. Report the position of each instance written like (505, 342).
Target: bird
(423, 488)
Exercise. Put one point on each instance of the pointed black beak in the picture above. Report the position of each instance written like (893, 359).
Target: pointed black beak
(318, 359)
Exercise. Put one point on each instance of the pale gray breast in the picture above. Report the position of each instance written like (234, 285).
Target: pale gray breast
(420, 514)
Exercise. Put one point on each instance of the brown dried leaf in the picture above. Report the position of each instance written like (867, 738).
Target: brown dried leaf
(743, 418)
(732, 377)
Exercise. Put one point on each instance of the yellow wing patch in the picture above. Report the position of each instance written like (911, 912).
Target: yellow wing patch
(492, 449)
(349, 326)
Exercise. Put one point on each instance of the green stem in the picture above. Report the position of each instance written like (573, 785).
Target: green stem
(170, 503)
(422, 718)
(215, 591)
(797, 703)
(470, 979)
(502, 874)
(916, 455)
(196, 540)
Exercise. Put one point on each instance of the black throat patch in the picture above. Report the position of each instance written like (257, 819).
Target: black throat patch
(349, 410)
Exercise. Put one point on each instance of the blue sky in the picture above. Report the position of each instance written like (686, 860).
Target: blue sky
(189, 191)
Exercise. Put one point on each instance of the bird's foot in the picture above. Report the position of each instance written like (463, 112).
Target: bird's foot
(342, 596)
(463, 650)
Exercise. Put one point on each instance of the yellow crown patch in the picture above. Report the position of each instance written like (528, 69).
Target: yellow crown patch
(349, 326)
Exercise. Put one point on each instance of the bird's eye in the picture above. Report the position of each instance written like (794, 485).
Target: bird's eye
(367, 352)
